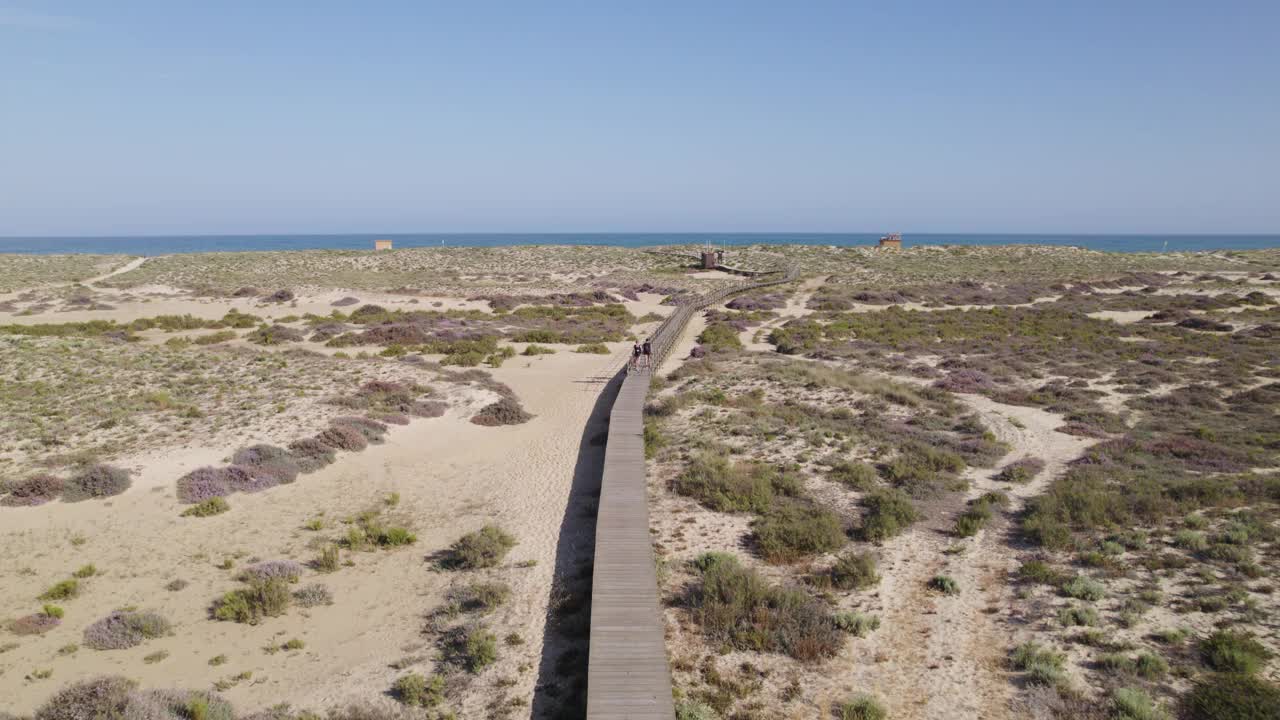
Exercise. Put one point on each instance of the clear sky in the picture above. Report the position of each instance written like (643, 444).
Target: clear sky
(238, 116)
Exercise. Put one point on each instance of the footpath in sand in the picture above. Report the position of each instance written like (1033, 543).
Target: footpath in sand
(938, 657)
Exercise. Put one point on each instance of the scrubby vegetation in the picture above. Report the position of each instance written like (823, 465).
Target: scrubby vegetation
(125, 629)
(483, 548)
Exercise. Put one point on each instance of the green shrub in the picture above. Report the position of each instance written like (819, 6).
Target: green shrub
(1191, 540)
(483, 548)
(62, 590)
(1233, 652)
(538, 350)
(889, 512)
(484, 596)
(328, 560)
(479, 649)
(1231, 696)
(1083, 587)
(1073, 616)
(418, 691)
(85, 571)
(860, 707)
(53, 611)
(1133, 704)
(793, 530)
(1040, 572)
(720, 336)
(261, 599)
(1042, 665)
(857, 624)
(695, 710)
(735, 487)
(593, 349)
(857, 475)
(213, 506)
(944, 584)
(854, 571)
(1150, 666)
(738, 608)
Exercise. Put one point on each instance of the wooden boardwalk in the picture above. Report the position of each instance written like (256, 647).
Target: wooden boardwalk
(628, 677)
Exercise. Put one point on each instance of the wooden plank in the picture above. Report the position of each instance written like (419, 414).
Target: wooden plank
(628, 677)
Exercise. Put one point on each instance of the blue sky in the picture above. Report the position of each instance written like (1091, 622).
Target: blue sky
(131, 117)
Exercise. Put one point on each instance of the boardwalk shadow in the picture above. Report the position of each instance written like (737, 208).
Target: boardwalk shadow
(561, 690)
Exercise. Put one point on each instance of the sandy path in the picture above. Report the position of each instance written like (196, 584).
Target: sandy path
(452, 477)
(940, 657)
(130, 266)
(797, 306)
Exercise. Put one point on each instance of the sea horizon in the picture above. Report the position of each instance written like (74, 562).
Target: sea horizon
(168, 244)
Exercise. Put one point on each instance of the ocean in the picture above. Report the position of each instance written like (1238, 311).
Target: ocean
(164, 245)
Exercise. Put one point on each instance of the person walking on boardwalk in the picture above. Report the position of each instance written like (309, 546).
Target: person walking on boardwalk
(647, 350)
(635, 358)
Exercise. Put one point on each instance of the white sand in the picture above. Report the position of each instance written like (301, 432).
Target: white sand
(452, 477)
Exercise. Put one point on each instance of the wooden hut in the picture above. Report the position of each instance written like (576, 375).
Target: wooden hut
(381, 244)
(892, 241)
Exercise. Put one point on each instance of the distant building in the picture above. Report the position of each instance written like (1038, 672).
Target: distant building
(892, 241)
(710, 259)
(381, 244)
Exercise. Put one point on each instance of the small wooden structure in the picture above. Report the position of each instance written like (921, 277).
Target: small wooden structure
(710, 259)
(892, 241)
(381, 244)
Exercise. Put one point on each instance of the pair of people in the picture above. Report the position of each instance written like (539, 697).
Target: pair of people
(641, 353)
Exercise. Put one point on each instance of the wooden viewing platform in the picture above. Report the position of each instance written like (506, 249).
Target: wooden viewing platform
(627, 673)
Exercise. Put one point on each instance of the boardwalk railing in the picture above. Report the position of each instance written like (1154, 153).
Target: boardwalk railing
(627, 674)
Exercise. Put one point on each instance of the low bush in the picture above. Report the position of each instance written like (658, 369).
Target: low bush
(86, 571)
(1233, 652)
(313, 595)
(328, 561)
(737, 607)
(286, 570)
(483, 548)
(1230, 696)
(506, 411)
(34, 624)
(1042, 665)
(61, 590)
(854, 571)
(175, 704)
(1022, 470)
(793, 530)
(1134, 704)
(695, 710)
(1083, 587)
(472, 648)
(485, 596)
(311, 454)
(125, 629)
(213, 506)
(861, 707)
(95, 699)
(275, 335)
(35, 490)
(944, 584)
(857, 475)
(342, 437)
(261, 599)
(95, 482)
(216, 337)
(889, 512)
(1078, 616)
(717, 483)
(209, 482)
(593, 349)
(372, 430)
(269, 460)
(538, 350)
(857, 624)
(418, 691)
